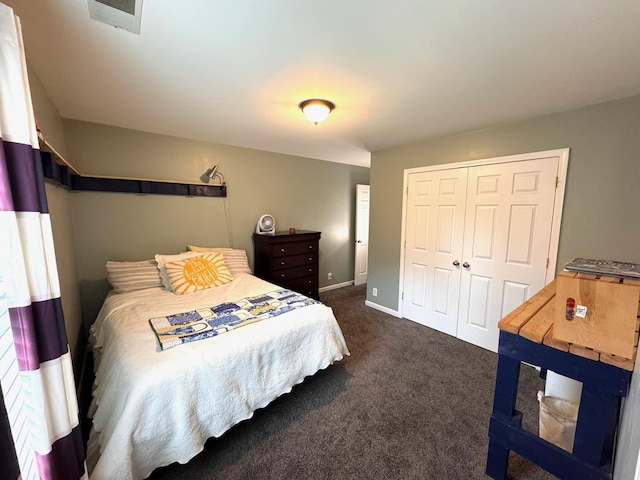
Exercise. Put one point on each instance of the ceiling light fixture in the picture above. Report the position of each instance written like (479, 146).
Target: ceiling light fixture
(316, 110)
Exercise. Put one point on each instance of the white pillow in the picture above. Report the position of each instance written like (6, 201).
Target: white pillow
(132, 276)
(234, 258)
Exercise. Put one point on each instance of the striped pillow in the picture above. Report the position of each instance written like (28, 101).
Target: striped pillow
(132, 276)
(198, 273)
(234, 258)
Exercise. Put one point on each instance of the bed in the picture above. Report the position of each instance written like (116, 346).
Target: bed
(155, 406)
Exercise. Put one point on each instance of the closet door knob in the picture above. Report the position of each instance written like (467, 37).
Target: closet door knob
(456, 263)
(466, 265)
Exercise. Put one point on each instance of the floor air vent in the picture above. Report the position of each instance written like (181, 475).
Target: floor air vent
(125, 14)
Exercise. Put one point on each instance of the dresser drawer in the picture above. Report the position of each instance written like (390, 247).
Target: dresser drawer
(294, 248)
(298, 272)
(295, 261)
(307, 286)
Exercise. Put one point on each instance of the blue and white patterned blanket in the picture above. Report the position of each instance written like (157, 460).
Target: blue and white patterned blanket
(208, 322)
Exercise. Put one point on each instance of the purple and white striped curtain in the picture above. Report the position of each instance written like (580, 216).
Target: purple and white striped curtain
(35, 363)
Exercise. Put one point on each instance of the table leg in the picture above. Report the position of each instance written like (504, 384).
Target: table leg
(596, 426)
(504, 407)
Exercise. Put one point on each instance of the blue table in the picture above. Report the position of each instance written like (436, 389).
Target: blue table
(603, 388)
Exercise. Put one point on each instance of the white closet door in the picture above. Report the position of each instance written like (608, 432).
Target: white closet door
(434, 230)
(507, 233)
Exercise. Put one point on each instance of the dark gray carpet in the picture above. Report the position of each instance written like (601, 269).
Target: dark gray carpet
(409, 403)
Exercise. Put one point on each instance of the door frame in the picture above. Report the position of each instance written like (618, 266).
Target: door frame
(563, 163)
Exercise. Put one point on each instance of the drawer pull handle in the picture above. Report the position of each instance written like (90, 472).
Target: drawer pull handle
(282, 250)
(282, 263)
(310, 246)
(282, 275)
(310, 259)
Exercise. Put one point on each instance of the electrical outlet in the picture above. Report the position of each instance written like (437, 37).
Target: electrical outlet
(374, 292)
(329, 276)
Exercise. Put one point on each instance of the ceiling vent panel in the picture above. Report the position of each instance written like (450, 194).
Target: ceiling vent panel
(125, 14)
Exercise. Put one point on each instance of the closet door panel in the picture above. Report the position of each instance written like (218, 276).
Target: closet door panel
(521, 234)
(417, 293)
(479, 288)
(433, 235)
(484, 240)
(515, 294)
(506, 243)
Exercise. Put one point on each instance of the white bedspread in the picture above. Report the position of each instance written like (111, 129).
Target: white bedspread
(153, 407)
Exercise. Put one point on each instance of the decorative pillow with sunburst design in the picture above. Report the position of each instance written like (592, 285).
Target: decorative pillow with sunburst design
(234, 258)
(198, 273)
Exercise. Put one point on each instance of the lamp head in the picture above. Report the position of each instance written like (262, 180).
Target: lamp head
(212, 172)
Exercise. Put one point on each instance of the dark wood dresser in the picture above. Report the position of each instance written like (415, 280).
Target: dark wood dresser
(288, 260)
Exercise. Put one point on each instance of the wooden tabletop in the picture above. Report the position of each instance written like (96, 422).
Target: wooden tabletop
(533, 320)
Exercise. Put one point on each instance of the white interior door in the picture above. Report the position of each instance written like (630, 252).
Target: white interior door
(362, 235)
(507, 233)
(433, 244)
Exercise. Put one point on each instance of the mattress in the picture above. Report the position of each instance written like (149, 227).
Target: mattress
(153, 407)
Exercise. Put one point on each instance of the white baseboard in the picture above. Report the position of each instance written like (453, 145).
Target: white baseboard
(395, 313)
(387, 310)
(337, 285)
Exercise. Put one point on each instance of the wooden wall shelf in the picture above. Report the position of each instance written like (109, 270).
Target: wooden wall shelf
(57, 170)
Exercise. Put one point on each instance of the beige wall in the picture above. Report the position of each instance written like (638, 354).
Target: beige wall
(51, 125)
(601, 218)
(299, 192)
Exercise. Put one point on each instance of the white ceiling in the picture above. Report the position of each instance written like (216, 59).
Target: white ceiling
(234, 71)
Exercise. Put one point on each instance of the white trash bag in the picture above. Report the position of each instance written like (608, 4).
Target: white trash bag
(558, 421)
